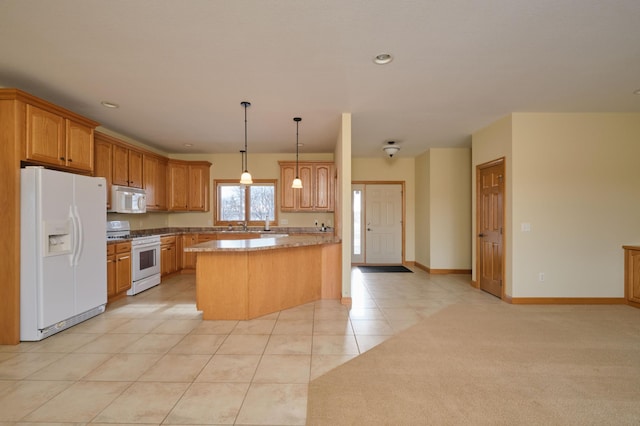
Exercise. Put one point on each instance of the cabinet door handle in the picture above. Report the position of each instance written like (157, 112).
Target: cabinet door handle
(480, 235)
(61, 158)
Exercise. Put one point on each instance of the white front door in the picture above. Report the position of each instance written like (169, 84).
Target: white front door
(383, 224)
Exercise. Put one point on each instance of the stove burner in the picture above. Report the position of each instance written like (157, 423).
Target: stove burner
(118, 230)
(118, 237)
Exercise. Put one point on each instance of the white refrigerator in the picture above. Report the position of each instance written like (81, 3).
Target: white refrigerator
(63, 254)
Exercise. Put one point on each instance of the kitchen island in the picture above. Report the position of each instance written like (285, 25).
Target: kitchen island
(245, 279)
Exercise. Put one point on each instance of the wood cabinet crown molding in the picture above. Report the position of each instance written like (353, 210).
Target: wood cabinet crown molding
(19, 95)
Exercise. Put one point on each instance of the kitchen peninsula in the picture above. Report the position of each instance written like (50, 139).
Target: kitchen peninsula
(245, 279)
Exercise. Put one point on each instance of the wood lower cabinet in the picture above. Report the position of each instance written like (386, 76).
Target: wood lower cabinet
(318, 187)
(632, 274)
(238, 236)
(118, 270)
(188, 259)
(168, 255)
(111, 271)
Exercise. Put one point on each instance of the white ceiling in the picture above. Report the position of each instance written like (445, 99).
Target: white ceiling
(179, 69)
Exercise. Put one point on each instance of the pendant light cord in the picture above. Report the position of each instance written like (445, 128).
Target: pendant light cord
(246, 159)
(297, 120)
(297, 147)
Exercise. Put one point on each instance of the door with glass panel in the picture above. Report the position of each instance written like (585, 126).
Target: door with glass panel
(377, 223)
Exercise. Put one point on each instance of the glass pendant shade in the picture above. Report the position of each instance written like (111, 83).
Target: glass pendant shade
(245, 178)
(297, 183)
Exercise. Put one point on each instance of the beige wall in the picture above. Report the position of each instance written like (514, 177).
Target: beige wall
(343, 198)
(423, 221)
(487, 144)
(450, 208)
(572, 178)
(392, 169)
(443, 208)
(575, 182)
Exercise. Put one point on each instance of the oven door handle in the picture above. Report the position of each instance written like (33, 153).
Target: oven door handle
(145, 246)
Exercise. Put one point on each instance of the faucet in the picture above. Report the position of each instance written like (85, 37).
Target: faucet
(244, 225)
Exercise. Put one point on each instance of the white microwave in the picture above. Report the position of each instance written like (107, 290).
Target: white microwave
(125, 199)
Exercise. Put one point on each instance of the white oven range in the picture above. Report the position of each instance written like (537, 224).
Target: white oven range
(145, 256)
(145, 263)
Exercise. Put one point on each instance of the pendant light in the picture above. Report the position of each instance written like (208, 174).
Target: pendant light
(297, 183)
(245, 178)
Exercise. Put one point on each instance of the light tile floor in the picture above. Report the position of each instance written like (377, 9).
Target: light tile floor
(151, 358)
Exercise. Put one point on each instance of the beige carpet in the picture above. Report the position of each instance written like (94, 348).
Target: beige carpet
(493, 365)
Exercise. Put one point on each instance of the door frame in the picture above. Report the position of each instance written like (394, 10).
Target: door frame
(498, 161)
(404, 210)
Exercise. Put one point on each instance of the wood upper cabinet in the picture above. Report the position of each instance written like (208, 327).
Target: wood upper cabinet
(127, 166)
(58, 141)
(188, 185)
(199, 186)
(121, 164)
(178, 185)
(103, 163)
(161, 184)
(324, 187)
(306, 199)
(79, 146)
(154, 181)
(287, 194)
(318, 187)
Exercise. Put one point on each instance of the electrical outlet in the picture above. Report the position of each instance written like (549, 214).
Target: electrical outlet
(541, 276)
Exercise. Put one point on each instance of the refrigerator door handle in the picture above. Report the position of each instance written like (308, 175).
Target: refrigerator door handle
(74, 239)
(73, 259)
(80, 240)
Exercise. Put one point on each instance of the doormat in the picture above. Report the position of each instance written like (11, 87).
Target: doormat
(390, 268)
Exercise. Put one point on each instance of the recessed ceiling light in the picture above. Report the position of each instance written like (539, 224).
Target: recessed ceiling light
(637, 92)
(383, 58)
(108, 104)
(188, 145)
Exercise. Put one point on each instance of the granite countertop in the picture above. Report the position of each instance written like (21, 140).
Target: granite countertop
(162, 232)
(264, 243)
